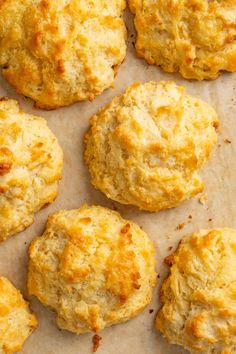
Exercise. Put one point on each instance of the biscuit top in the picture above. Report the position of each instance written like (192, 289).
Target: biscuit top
(146, 147)
(30, 167)
(199, 296)
(16, 321)
(92, 267)
(61, 51)
(195, 37)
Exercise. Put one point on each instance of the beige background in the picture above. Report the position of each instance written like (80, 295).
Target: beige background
(138, 336)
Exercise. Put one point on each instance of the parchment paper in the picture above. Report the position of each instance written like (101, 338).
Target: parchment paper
(69, 124)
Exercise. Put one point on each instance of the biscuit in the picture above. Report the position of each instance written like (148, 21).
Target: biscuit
(30, 167)
(92, 267)
(198, 296)
(16, 320)
(145, 148)
(61, 51)
(196, 37)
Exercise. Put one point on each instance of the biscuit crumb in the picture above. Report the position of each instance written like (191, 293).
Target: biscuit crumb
(209, 219)
(169, 260)
(203, 199)
(114, 207)
(180, 226)
(190, 216)
(227, 141)
(45, 205)
(96, 342)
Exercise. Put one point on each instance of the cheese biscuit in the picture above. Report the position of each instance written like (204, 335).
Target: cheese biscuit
(198, 297)
(30, 167)
(146, 147)
(61, 51)
(16, 320)
(92, 267)
(194, 37)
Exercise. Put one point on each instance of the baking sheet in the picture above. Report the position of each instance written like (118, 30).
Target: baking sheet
(69, 124)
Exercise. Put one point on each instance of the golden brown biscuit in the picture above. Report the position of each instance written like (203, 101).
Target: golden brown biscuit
(145, 148)
(61, 51)
(93, 268)
(30, 167)
(199, 296)
(17, 322)
(195, 37)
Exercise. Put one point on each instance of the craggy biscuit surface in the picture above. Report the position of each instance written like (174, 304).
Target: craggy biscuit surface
(16, 320)
(30, 167)
(195, 37)
(61, 51)
(145, 148)
(93, 268)
(199, 296)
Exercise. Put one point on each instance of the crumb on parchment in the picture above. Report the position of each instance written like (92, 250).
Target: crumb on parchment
(180, 226)
(96, 342)
(227, 141)
(203, 198)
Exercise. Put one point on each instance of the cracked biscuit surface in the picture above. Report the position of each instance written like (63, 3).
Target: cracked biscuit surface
(146, 147)
(61, 51)
(30, 167)
(199, 295)
(92, 267)
(194, 37)
(16, 320)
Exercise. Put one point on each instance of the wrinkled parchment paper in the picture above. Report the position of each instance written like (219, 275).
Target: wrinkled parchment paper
(69, 124)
